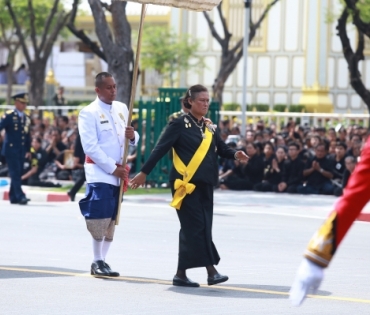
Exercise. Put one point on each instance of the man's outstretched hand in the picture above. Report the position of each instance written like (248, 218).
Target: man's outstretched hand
(308, 278)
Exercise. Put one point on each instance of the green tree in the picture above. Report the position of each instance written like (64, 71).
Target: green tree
(230, 56)
(115, 42)
(9, 39)
(41, 26)
(168, 53)
(357, 11)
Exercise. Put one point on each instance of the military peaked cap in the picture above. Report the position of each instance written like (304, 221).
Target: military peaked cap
(22, 97)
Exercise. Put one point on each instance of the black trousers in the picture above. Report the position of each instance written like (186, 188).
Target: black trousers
(196, 248)
(78, 184)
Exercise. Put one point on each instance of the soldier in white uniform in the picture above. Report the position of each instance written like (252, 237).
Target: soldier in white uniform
(103, 130)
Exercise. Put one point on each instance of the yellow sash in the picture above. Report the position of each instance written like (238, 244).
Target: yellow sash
(183, 187)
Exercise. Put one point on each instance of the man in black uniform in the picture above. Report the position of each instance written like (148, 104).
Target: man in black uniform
(35, 165)
(16, 146)
(196, 143)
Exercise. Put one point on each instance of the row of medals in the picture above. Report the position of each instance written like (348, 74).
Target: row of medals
(188, 125)
(25, 127)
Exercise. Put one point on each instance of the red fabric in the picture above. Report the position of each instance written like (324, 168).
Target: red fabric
(355, 196)
(125, 180)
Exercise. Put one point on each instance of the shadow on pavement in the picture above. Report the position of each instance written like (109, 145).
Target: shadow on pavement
(28, 273)
(231, 291)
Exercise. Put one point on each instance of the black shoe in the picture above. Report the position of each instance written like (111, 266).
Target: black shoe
(217, 278)
(184, 283)
(111, 272)
(98, 268)
(72, 197)
(23, 201)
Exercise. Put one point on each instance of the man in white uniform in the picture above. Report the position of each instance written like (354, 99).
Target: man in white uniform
(103, 130)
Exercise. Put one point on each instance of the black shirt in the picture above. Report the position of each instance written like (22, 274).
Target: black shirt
(338, 167)
(316, 178)
(293, 171)
(79, 151)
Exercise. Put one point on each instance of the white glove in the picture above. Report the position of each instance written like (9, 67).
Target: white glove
(309, 275)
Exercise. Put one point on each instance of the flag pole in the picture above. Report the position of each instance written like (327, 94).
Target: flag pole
(131, 105)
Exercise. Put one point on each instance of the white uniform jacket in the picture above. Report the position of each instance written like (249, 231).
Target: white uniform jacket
(102, 130)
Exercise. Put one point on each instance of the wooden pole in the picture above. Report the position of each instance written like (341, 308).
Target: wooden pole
(131, 105)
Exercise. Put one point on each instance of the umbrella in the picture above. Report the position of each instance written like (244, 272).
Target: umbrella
(193, 5)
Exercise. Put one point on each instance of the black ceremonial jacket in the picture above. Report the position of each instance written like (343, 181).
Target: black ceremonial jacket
(186, 141)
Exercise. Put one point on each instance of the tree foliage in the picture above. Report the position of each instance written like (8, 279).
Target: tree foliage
(167, 52)
(230, 56)
(357, 11)
(115, 42)
(44, 21)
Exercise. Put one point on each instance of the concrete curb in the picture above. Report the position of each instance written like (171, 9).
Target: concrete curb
(43, 196)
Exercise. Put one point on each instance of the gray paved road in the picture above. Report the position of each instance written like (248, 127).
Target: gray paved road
(45, 257)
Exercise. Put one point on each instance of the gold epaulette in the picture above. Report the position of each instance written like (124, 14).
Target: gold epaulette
(9, 111)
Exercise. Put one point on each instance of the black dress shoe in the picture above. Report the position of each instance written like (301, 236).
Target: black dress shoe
(184, 283)
(72, 197)
(111, 272)
(98, 269)
(23, 201)
(217, 278)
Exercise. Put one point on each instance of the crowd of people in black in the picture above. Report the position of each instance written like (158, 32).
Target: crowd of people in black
(298, 159)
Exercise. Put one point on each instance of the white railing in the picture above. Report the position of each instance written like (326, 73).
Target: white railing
(310, 119)
(279, 118)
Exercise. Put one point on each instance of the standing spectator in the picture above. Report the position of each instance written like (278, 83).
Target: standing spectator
(79, 160)
(318, 173)
(21, 74)
(292, 171)
(59, 99)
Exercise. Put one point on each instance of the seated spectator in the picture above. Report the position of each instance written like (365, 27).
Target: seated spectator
(332, 135)
(63, 123)
(350, 163)
(332, 146)
(279, 141)
(315, 140)
(249, 172)
(64, 163)
(338, 161)
(292, 171)
(258, 137)
(318, 173)
(56, 146)
(249, 136)
(35, 165)
(227, 165)
(273, 171)
(355, 150)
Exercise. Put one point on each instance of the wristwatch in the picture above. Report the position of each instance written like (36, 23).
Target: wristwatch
(321, 170)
